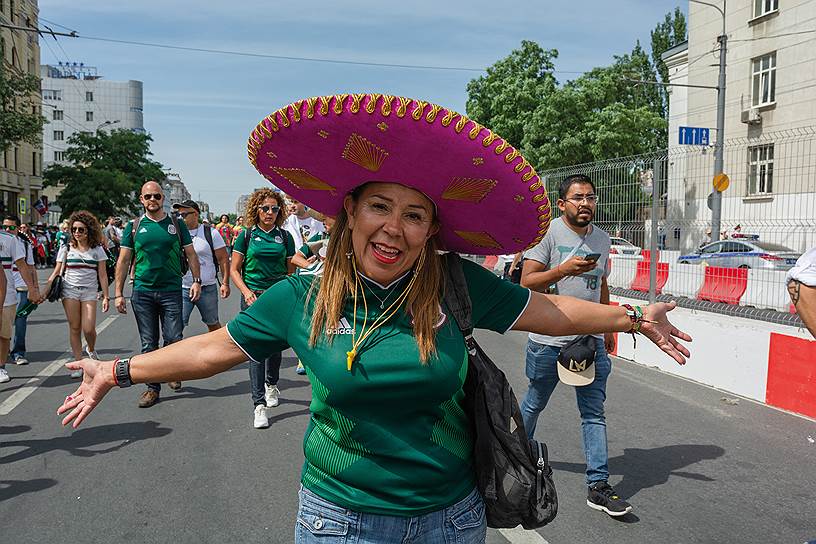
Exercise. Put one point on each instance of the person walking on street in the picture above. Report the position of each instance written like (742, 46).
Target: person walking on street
(212, 258)
(12, 253)
(237, 228)
(300, 224)
(12, 225)
(801, 281)
(225, 230)
(81, 263)
(572, 259)
(261, 257)
(160, 247)
(112, 237)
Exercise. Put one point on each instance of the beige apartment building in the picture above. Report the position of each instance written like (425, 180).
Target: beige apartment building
(770, 121)
(21, 164)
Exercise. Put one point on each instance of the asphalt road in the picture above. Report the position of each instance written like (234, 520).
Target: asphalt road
(192, 469)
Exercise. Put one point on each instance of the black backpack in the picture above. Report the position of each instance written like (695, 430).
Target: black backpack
(512, 472)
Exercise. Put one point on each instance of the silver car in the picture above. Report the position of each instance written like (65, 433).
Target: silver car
(621, 246)
(743, 254)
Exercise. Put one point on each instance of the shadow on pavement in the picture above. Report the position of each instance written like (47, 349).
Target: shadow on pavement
(81, 443)
(287, 415)
(14, 429)
(14, 488)
(645, 468)
(239, 388)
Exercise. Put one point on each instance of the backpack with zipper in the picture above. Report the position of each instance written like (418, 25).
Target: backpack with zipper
(512, 472)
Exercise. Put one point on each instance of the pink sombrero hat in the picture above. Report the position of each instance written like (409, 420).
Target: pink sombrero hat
(489, 198)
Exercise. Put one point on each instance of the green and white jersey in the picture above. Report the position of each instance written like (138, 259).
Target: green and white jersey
(157, 253)
(265, 254)
(11, 250)
(391, 436)
(81, 267)
(316, 268)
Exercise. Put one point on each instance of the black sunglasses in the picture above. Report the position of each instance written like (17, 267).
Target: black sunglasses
(153, 196)
(269, 209)
(8, 227)
(78, 230)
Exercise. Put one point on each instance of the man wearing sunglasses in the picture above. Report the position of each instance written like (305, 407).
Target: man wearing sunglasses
(212, 256)
(158, 243)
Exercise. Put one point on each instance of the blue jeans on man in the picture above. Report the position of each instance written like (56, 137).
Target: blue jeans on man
(542, 371)
(152, 309)
(207, 304)
(18, 348)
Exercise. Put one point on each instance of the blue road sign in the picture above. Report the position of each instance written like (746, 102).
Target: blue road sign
(694, 136)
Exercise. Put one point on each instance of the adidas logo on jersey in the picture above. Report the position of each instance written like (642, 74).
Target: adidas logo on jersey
(141, 230)
(343, 327)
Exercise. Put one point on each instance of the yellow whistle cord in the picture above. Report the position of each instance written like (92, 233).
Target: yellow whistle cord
(389, 312)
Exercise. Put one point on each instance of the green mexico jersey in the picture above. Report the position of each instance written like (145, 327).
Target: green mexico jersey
(157, 253)
(265, 255)
(391, 435)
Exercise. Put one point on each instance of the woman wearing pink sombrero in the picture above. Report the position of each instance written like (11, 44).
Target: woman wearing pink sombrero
(388, 448)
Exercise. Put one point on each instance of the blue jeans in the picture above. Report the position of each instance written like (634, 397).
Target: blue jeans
(151, 308)
(207, 304)
(262, 372)
(18, 349)
(322, 522)
(542, 371)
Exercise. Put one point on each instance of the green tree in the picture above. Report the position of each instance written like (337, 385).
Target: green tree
(19, 107)
(512, 89)
(668, 33)
(105, 174)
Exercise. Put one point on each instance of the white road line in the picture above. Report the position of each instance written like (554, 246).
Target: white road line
(31, 385)
(519, 535)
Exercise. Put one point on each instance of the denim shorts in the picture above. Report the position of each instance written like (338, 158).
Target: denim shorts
(207, 304)
(322, 522)
(78, 292)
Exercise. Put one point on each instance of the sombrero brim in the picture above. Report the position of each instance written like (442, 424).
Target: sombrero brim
(489, 198)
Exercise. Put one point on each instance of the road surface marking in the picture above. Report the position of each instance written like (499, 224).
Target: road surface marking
(519, 535)
(31, 385)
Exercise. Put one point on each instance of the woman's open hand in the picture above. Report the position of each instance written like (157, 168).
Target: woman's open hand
(659, 330)
(97, 380)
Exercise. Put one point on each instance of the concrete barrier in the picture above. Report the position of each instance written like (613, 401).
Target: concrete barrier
(767, 289)
(684, 280)
(623, 270)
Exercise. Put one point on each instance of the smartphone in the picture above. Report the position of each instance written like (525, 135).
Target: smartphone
(592, 257)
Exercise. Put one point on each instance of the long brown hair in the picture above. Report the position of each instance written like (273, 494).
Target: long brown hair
(337, 285)
(256, 200)
(89, 220)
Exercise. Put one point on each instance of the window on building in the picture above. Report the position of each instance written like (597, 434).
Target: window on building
(59, 156)
(16, 159)
(57, 115)
(762, 7)
(59, 135)
(764, 80)
(760, 169)
(88, 96)
(89, 116)
(33, 163)
(52, 94)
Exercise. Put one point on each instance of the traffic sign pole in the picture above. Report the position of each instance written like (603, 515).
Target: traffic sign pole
(716, 201)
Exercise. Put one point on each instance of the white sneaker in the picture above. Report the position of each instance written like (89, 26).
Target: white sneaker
(20, 361)
(77, 374)
(91, 354)
(4, 377)
(271, 395)
(260, 421)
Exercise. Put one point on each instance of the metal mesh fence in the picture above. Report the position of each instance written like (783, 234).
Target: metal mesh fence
(664, 247)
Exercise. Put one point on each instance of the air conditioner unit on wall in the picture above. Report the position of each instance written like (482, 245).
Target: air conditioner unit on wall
(751, 116)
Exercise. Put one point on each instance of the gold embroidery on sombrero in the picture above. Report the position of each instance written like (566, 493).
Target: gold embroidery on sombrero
(302, 179)
(448, 118)
(403, 106)
(364, 153)
(481, 239)
(371, 106)
(541, 197)
(435, 109)
(284, 118)
(310, 107)
(382, 126)
(323, 134)
(460, 124)
(271, 155)
(477, 161)
(419, 109)
(339, 101)
(468, 189)
(385, 109)
(324, 105)
(490, 138)
(474, 132)
(271, 122)
(518, 240)
(355, 102)
(296, 111)
(518, 198)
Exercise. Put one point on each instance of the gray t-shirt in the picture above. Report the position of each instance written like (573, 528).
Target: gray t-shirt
(557, 247)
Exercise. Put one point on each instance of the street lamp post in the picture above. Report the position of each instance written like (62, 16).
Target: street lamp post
(716, 195)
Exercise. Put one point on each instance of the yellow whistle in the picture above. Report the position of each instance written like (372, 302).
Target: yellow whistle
(349, 358)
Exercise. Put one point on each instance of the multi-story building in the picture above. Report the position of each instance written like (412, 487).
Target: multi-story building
(20, 164)
(204, 211)
(174, 191)
(770, 120)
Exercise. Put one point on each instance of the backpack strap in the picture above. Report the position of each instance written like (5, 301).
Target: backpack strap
(209, 238)
(457, 297)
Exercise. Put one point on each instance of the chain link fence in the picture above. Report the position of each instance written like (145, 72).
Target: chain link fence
(664, 247)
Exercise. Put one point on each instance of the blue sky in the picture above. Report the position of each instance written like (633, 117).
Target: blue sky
(200, 108)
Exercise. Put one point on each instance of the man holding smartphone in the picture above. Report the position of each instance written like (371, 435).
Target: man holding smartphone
(572, 259)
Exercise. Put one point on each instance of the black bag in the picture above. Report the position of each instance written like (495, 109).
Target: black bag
(512, 472)
(55, 291)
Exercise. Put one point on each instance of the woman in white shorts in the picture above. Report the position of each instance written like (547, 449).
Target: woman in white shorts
(83, 261)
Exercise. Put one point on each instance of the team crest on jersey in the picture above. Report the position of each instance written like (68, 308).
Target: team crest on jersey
(441, 320)
(278, 240)
(171, 229)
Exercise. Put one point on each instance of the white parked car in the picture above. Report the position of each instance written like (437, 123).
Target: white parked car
(621, 246)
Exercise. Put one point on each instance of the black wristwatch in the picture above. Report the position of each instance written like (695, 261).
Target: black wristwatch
(121, 372)
(196, 280)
